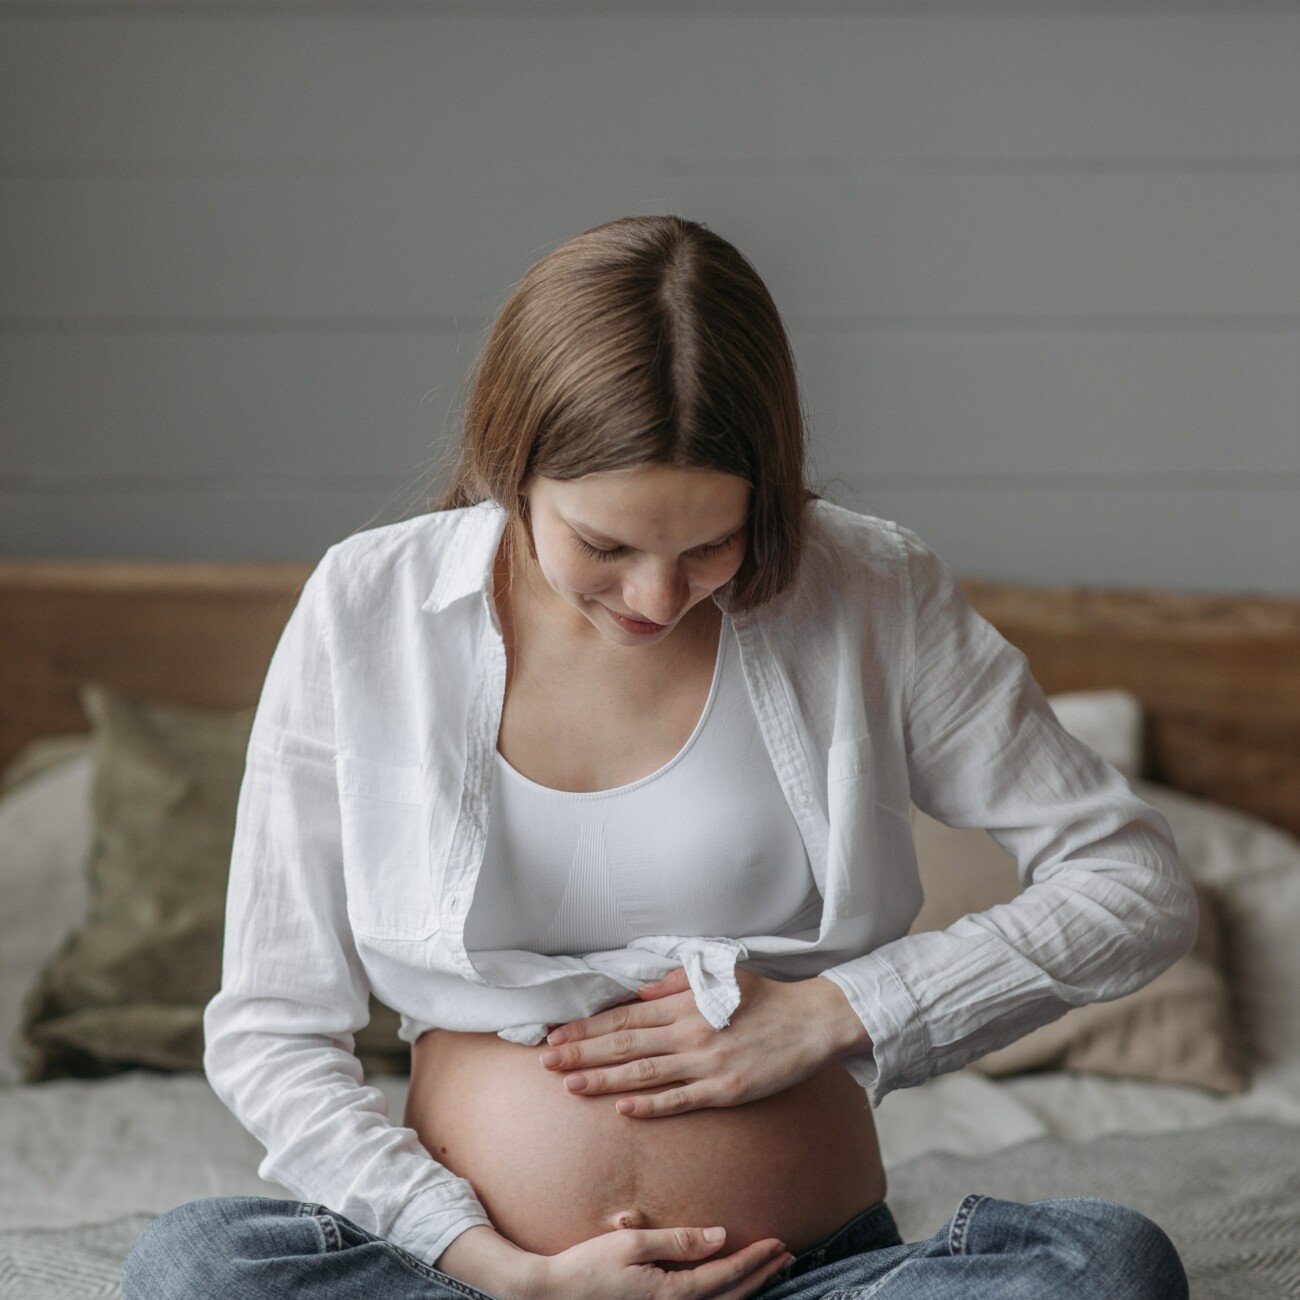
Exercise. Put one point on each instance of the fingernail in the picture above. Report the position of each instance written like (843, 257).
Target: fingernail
(575, 1082)
(551, 1058)
(555, 1036)
(714, 1234)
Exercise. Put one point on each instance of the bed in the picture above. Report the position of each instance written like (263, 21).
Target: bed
(1197, 698)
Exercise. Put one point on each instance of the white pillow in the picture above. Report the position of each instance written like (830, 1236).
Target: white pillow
(1254, 868)
(1108, 721)
(46, 831)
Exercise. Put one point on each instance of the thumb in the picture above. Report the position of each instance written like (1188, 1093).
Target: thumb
(674, 982)
(647, 1244)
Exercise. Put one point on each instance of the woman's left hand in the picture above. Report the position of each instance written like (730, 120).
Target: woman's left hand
(778, 1035)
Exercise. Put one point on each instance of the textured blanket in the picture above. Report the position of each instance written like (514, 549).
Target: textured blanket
(1228, 1196)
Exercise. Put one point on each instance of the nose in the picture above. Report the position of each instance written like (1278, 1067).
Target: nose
(657, 591)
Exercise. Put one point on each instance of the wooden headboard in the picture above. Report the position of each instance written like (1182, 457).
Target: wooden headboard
(1219, 677)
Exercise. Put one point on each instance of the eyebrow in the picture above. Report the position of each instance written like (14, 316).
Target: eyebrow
(601, 539)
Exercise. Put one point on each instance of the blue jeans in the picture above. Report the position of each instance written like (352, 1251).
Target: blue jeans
(254, 1248)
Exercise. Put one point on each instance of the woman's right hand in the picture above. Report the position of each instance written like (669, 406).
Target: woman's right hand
(622, 1265)
(618, 1265)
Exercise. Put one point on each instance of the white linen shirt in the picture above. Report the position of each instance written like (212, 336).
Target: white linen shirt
(363, 814)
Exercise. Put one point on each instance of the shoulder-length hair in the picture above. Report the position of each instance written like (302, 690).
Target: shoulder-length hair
(641, 341)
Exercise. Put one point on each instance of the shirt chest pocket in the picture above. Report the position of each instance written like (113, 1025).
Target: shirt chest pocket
(386, 850)
(871, 858)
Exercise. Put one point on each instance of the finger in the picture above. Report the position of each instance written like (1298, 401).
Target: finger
(627, 1045)
(643, 1072)
(674, 982)
(737, 1275)
(673, 1101)
(771, 1265)
(646, 1245)
(618, 1020)
(627, 1015)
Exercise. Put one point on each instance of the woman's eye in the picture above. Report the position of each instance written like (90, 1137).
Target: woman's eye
(595, 552)
(699, 552)
(714, 549)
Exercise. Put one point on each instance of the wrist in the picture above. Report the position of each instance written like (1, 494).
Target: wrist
(485, 1259)
(833, 1018)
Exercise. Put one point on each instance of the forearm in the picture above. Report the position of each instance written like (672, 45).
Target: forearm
(485, 1259)
(937, 1000)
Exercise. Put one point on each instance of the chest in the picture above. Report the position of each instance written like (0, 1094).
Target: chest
(577, 722)
(704, 845)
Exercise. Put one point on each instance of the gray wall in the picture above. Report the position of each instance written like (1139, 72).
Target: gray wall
(1041, 263)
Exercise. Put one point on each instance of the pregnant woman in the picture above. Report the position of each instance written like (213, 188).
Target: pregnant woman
(599, 774)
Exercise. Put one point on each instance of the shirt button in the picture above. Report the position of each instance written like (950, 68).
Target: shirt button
(805, 798)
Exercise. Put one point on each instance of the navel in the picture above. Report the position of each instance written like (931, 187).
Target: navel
(628, 1219)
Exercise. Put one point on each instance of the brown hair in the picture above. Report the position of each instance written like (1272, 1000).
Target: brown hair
(644, 340)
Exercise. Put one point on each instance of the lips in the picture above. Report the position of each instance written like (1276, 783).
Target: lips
(638, 626)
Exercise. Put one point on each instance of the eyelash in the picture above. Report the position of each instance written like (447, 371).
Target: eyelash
(596, 553)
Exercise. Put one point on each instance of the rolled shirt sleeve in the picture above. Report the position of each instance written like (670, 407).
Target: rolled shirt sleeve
(1106, 907)
(279, 1034)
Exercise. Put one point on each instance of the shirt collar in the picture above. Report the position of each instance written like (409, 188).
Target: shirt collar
(466, 569)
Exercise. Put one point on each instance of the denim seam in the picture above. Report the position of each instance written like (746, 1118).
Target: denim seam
(872, 1289)
(431, 1274)
(833, 1247)
(325, 1225)
(960, 1223)
(323, 1217)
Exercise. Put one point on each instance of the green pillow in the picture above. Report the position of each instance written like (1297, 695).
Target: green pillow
(128, 988)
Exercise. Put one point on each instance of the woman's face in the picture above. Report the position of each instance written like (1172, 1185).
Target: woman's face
(633, 550)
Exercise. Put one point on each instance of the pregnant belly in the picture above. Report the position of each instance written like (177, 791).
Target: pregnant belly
(553, 1168)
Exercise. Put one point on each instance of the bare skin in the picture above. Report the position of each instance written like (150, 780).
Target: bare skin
(603, 1156)
(554, 1168)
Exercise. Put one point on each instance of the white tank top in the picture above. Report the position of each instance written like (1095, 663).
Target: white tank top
(704, 846)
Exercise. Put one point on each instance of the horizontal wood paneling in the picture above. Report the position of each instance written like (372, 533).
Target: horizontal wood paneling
(797, 82)
(1207, 540)
(990, 404)
(229, 403)
(244, 519)
(1038, 260)
(1218, 405)
(838, 246)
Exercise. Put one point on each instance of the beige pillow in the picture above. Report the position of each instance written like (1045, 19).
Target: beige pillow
(1177, 1029)
(128, 987)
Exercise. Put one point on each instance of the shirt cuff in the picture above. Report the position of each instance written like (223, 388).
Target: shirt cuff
(429, 1223)
(899, 1047)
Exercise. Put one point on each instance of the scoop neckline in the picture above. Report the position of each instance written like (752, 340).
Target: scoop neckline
(515, 775)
